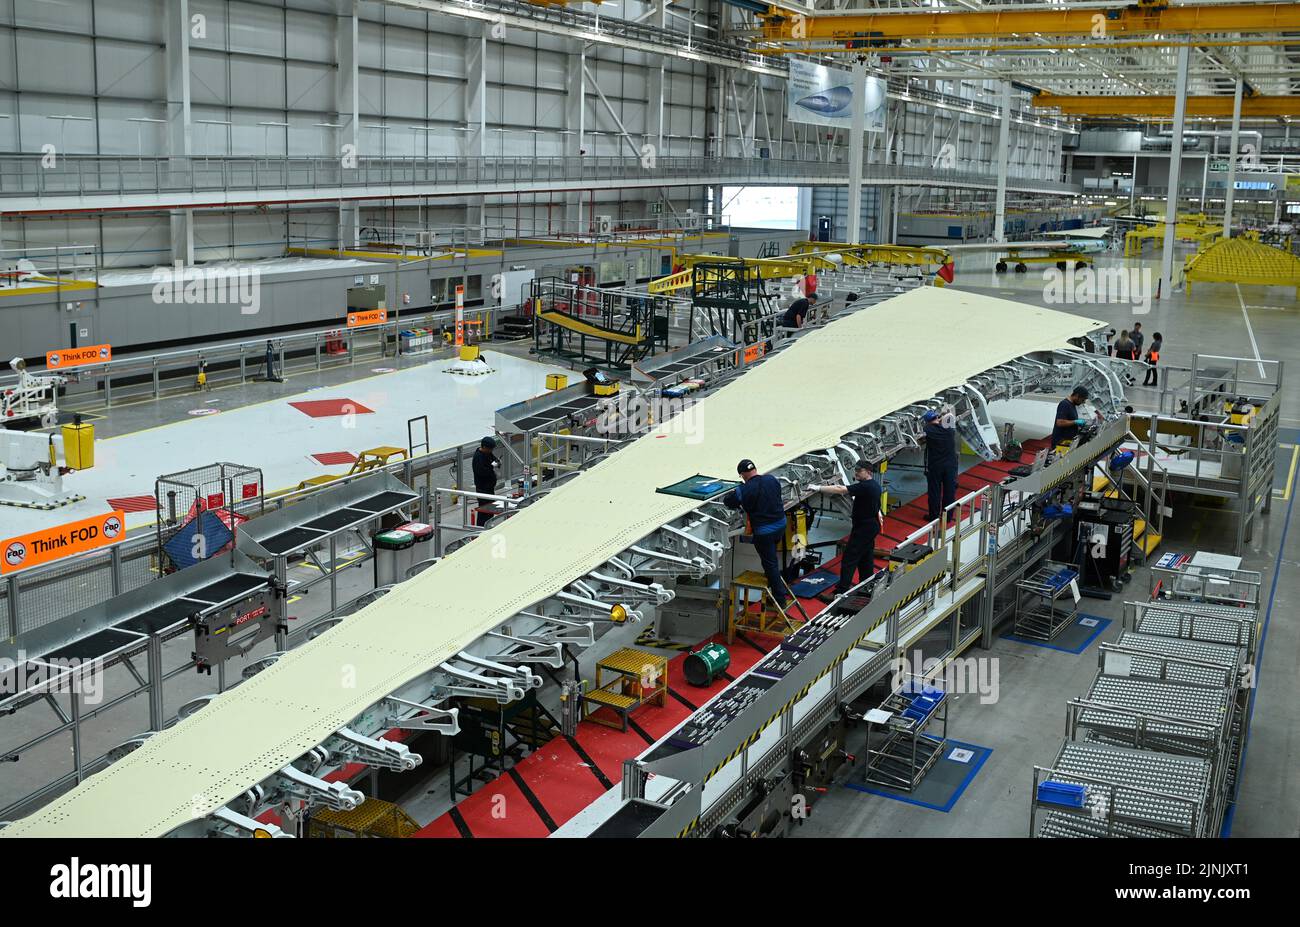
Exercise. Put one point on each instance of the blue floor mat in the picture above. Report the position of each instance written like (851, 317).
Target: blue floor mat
(815, 582)
(944, 784)
(1074, 639)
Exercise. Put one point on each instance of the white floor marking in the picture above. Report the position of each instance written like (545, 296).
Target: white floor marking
(1250, 331)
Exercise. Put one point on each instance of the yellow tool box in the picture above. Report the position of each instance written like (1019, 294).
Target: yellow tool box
(79, 445)
(556, 381)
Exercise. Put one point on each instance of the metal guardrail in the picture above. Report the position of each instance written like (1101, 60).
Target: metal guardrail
(35, 597)
(96, 175)
(173, 372)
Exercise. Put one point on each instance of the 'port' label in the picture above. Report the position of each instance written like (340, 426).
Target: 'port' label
(51, 544)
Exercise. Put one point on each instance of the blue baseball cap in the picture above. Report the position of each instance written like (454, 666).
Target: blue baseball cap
(930, 415)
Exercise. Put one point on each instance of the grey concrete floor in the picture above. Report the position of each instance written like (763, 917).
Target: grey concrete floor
(1024, 727)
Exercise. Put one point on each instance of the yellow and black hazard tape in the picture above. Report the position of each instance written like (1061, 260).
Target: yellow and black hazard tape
(46, 506)
(648, 639)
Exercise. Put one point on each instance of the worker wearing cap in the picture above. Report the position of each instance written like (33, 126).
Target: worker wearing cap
(760, 497)
(940, 460)
(860, 552)
(794, 316)
(1068, 422)
(485, 474)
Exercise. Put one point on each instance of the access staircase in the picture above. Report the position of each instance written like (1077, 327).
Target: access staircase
(1148, 496)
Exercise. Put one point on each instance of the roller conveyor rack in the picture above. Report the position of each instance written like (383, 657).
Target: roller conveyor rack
(1156, 714)
(1230, 646)
(900, 750)
(1103, 790)
(1214, 624)
(1160, 716)
(1045, 602)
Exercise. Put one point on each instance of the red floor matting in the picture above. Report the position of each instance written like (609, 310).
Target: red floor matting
(324, 408)
(555, 782)
(134, 503)
(335, 458)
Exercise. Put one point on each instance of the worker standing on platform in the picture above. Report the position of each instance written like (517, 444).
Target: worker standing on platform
(760, 497)
(485, 466)
(860, 552)
(798, 312)
(940, 460)
(1137, 338)
(1068, 422)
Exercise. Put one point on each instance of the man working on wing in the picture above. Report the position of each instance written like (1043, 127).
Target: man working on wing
(1068, 422)
(794, 316)
(860, 552)
(760, 497)
(940, 460)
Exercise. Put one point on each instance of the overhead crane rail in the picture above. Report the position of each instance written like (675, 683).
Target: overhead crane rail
(1148, 17)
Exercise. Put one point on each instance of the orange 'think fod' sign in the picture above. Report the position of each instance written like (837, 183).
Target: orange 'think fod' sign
(76, 357)
(48, 544)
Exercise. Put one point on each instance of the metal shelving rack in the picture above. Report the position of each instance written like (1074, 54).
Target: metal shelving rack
(1040, 614)
(1127, 793)
(900, 751)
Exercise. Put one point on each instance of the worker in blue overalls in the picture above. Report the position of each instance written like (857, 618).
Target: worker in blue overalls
(940, 460)
(867, 520)
(760, 497)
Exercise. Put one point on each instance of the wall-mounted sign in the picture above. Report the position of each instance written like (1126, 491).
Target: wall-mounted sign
(77, 357)
(49, 544)
(367, 317)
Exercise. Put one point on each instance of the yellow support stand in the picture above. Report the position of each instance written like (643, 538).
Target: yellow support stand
(747, 590)
(639, 677)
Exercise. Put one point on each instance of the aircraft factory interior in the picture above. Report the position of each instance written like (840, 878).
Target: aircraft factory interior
(726, 419)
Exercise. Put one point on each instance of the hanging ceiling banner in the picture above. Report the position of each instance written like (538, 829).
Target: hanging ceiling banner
(824, 96)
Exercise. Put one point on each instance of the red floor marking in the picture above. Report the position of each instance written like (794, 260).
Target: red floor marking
(324, 408)
(439, 828)
(499, 809)
(335, 458)
(559, 779)
(134, 503)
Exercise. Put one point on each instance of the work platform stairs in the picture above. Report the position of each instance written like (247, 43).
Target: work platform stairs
(1145, 485)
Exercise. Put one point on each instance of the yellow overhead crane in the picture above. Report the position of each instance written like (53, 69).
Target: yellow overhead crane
(1147, 17)
(807, 257)
(1252, 106)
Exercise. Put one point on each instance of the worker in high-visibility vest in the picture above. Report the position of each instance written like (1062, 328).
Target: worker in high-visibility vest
(1153, 358)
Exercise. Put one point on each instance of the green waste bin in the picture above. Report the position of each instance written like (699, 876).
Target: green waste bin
(706, 664)
(392, 556)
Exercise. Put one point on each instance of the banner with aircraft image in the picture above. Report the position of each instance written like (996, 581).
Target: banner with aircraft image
(824, 96)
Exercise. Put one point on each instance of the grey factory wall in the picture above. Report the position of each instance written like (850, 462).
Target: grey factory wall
(129, 317)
